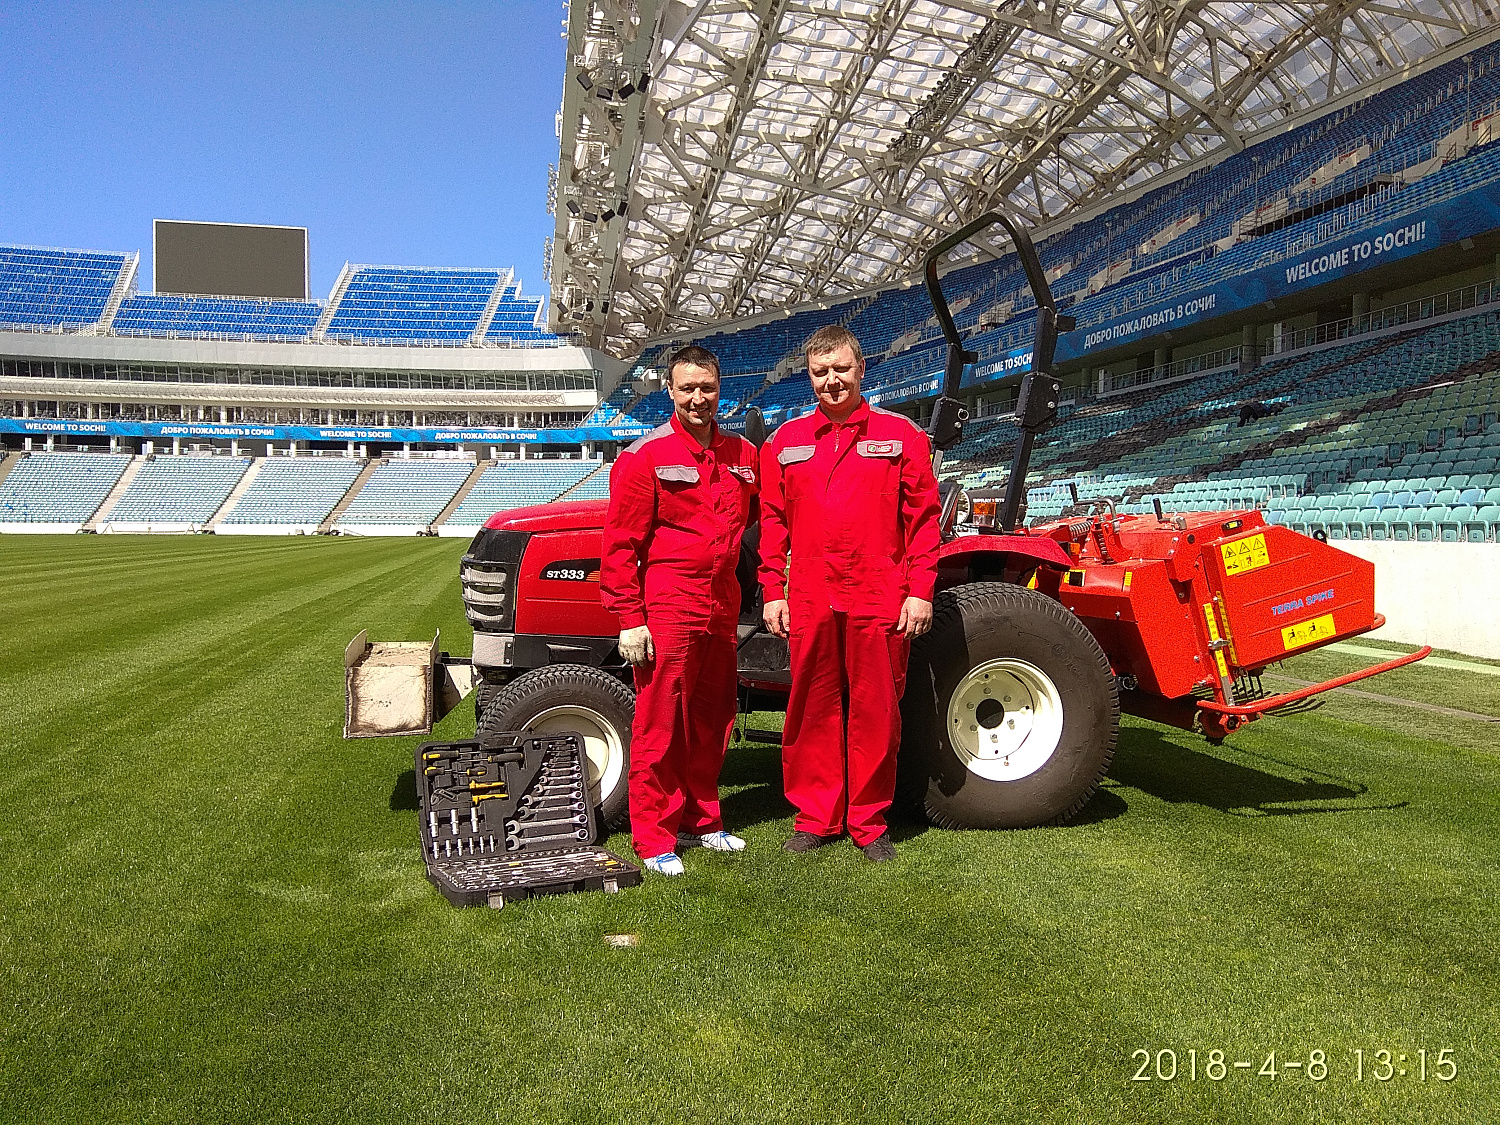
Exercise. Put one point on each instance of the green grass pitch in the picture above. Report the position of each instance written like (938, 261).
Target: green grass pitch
(212, 909)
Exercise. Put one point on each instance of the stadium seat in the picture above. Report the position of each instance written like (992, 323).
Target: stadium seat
(1450, 526)
(1484, 524)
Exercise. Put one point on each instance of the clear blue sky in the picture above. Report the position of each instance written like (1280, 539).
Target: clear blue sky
(411, 134)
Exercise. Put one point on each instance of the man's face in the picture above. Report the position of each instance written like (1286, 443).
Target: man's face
(835, 377)
(694, 392)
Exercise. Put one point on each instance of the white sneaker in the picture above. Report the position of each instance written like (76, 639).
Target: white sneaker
(719, 841)
(665, 864)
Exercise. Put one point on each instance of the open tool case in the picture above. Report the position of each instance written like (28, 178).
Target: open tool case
(510, 817)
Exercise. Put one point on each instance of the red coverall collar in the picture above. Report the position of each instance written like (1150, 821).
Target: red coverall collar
(857, 417)
(715, 439)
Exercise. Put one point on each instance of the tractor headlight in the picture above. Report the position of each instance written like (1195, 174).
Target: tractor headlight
(488, 575)
(487, 594)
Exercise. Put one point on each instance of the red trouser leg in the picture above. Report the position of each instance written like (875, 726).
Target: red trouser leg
(812, 755)
(875, 656)
(684, 708)
(710, 719)
(831, 651)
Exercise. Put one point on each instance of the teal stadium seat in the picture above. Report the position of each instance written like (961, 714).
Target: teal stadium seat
(1451, 527)
(1401, 521)
(1482, 527)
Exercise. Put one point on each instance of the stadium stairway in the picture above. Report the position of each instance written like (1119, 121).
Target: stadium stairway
(7, 463)
(121, 487)
(348, 498)
(588, 488)
(463, 490)
(237, 492)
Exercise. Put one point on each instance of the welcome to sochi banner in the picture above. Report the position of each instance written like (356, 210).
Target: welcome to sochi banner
(1463, 216)
(189, 431)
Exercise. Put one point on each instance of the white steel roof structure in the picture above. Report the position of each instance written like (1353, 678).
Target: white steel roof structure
(721, 158)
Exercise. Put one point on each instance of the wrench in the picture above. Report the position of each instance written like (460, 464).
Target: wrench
(513, 843)
(525, 827)
(552, 806)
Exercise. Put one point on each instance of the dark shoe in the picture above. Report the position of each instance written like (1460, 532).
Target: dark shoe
(802, 842)
(879, 849)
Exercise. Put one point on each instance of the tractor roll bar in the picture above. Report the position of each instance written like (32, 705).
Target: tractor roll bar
(1036, 406)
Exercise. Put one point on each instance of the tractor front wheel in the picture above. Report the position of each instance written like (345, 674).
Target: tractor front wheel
(575, 697)
(1010, 713)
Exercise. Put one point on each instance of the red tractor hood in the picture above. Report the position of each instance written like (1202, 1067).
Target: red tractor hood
(560, 515)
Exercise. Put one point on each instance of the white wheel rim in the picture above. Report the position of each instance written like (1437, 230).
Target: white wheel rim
(1005, 719)
(600, 741)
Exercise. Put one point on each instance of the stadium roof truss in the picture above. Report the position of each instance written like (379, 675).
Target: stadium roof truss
(723, 158)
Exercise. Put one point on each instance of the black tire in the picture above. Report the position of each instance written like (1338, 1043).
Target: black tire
(988, 621)
(485, 695)
(521, 702)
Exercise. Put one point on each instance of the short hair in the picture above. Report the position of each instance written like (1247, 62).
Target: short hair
(830, 338)
(695, 354)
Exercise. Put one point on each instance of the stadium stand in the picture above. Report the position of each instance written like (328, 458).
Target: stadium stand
(59, 488)
(515, 484)
(1387, 438)
(251, 318)
(1421, 141)
(517, 318)
(42, 288)
(404, 494)
(176, 493)
(45, 289)
(291, 493)
(402, 305)
(390, 303)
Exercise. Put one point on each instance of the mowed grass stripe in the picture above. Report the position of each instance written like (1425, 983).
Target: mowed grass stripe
(234, 925)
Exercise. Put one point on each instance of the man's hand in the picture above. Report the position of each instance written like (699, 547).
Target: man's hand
(778, 618)
(636, 645)
(916, 618)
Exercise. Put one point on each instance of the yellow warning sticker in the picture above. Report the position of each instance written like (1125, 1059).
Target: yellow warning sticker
(1213, 636)
(1306, 632)
(1129, 574)
(1245, 554)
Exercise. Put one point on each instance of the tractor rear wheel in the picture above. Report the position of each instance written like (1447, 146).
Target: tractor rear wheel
(575, 697)
(1010, 714)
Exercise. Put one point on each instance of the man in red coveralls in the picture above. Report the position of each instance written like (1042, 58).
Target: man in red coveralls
(680, 498)
(848, 493)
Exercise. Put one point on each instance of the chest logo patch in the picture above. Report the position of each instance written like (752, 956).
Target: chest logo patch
(792, 454)
(878, 449)
(744, 472)
(677, 474)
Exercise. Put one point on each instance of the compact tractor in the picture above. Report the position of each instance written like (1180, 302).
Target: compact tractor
(1041, 635)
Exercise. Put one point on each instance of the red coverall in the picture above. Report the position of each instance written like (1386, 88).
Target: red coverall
(856, 506)
(677, 512)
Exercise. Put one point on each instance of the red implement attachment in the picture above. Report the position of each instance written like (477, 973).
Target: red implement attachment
(1229, 716)
(1200, 603)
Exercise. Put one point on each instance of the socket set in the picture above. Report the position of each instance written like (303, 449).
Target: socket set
(510, 817)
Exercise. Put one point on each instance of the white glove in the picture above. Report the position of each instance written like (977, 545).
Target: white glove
(636, 645)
